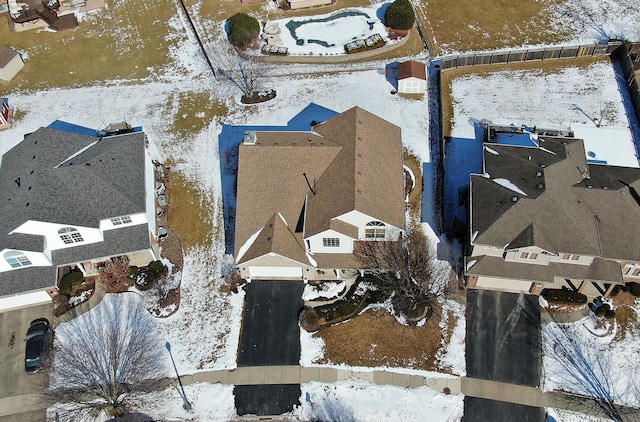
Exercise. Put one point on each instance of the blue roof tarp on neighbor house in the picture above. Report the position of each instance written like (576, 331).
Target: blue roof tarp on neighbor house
(80, 130)
(70, 127)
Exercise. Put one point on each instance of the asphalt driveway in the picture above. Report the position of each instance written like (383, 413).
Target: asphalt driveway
(15, 381)
(270, 336)
(503, 337)
(502, 344)
(270, 332)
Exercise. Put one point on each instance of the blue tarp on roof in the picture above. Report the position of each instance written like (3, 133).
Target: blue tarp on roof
(80, 130)
(70, 127)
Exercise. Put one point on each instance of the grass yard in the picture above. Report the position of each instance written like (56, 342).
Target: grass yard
(466, 25)
(547, 67)
(193, 111)
(192, 216)
(125, 41)
(375, 338)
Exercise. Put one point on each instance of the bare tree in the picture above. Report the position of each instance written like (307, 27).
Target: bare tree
(606, 20)
(244, 73)
(589, 371)
(405, 268)
(104, 356)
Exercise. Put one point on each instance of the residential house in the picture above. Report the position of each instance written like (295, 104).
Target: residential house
(72, 201)
(542, 217)
(305, 198)
(412, 77)
(10, 63)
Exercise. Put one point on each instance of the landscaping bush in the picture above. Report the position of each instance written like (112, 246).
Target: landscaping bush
(310, 320)
(564, 296)
(147, 277)
(400, 15)
(70, 280)
(610, 314)
(243, 29)
(600, 312)
(634, 288)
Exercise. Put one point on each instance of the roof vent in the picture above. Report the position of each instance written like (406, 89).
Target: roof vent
(514, 198)
(249, 138)
(539, 185)
(539, 174)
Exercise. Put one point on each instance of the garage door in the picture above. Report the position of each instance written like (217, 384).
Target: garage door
(277, 273)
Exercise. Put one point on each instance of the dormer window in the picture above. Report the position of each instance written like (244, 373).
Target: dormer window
(70, 235)
(118, 221)
(16, 259)
(528, 255)
(375, 230)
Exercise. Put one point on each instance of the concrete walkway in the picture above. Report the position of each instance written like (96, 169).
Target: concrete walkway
(263, 375)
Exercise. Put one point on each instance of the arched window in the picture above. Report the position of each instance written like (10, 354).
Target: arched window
(16, 259)
(375, 230)
(70, 235)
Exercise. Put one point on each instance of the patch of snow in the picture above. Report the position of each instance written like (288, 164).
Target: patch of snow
(362, 401)
(311, 260)
(245, 247)
(509, 185)
(492, 151)
(329, 289)
(76, 300)
(311, 348)
(470, 264)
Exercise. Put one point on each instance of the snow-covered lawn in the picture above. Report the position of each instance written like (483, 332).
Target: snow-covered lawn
(603, 353)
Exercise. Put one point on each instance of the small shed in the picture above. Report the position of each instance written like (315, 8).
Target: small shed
(10, 63)
(412, 77)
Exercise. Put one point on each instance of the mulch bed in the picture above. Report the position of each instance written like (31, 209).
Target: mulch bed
(258, 97)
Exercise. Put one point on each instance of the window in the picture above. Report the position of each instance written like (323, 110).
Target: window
(70, 235)
(528, 255)
(375, 230)
(16, 259)
(117, 221)
(330, 242)
(569, 257)
(627, 269)
(636, 272)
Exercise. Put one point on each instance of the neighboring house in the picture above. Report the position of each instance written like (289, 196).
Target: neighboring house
(6, 113)
(42, 10)
(301, 4)
(305, 198)
(412, 77)
(73, 201)
(10, 63)
(544, 218)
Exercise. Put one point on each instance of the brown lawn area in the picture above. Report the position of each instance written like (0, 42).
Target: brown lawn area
(376, 338)
(465, 25)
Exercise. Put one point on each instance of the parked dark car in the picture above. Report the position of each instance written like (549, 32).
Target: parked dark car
(38, 345)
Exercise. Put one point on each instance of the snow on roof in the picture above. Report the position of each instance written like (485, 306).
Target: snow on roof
(245, 247)
(612, 145)
(509, 185)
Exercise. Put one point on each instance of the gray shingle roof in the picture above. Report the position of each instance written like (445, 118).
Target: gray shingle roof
(65, 178)
(39, 182)
(579, 208)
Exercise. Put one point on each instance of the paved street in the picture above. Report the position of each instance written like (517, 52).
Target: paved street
(483, 410)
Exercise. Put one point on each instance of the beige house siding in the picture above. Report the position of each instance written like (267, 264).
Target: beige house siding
(503, 285)
(307, 3)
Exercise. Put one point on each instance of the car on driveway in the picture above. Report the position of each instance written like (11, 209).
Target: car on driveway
(38, 345)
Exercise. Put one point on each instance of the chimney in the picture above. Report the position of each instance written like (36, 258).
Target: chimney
(17, 181)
